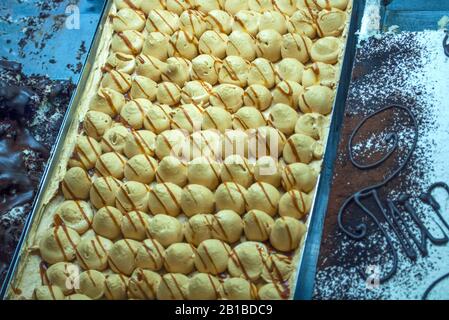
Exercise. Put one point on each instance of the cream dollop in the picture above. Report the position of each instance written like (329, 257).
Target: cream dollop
(227, 226)
(286, 233)
(162, 21)
(283, 117)
(197, 199)
(165, 198)
(258, 96)
(213, 43)
(241, 44)
(299, 176)
(268, 44)
(227, 96)
(263, 196)
(234, 70)
(179, 258)
(212, 256)
(165, 229)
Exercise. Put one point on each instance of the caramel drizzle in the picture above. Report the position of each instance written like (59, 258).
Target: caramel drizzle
(187, 117)
(230, 71)
(209, 47)
(105, 167)
(113, 73)
(260, 184)
(216, 291)
(241, 122)
(141, 277)
(199, 16)
(208, 256)
(221, 227)
(294, 200)
(294, 150)
(142, 113)
(65, 186)
(128, 42)
(274, 280)
(244, 166)
(130, 249)
(236, 259)
(208, 147)
(259, 136)
(289, 177)
(260, 225)
(60, 225)
(162, 18)
(178, 287)
(140, 141)
(241, 23)
(43, 273)
(215, 171)
(95, 187)
(150, 251)
(215, 124)
(262, 74)
(128, 165)
(217, 22)
(167, 142)
(286, 93)
(150, 121)
(131, 4)
(112, 217)
(105, 140)
(88, 121)
(97, 155)
(89, 275)
(228, 189)
(83, 213)
(131, 221)
(236, 48)
(222, 101)
(167, 88)
(161, 202)
(125, 191)
(109, 101)
(174, 42)
(141, 88)
(255, 99)
(289, 235)
(306, 104)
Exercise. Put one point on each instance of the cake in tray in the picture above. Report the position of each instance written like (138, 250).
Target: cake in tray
(190, 169)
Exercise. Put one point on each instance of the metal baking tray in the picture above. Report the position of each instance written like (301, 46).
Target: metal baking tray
(316, 217)
(315, 222)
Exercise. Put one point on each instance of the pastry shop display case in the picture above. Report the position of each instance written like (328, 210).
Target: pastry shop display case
(196, 157)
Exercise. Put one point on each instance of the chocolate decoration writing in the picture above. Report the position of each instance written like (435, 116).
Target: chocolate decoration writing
(390, 208)
(433, 285)
(446, 43)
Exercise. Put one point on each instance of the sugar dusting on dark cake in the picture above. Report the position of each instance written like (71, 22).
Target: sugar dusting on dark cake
(410, 70)
(31, 112)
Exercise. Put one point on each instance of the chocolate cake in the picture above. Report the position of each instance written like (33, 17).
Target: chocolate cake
(385, 234)
(32, 104)
(31, 112)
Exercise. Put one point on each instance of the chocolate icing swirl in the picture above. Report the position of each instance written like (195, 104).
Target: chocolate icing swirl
(390, 212)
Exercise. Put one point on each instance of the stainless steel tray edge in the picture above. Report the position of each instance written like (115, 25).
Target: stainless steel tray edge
(68, 122)
(311, 242)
